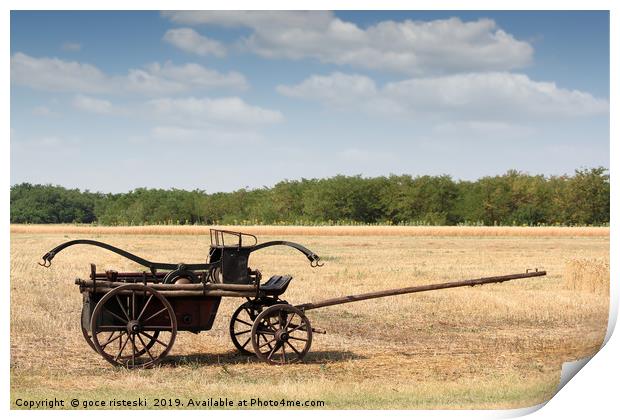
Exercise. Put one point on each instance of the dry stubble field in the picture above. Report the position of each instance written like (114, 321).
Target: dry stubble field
(495, 346)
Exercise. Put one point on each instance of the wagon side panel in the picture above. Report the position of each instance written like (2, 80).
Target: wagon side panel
(195, 313)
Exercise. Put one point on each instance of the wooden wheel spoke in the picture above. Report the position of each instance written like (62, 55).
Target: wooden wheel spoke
(246, 342)
(250, 314)
(146, 348)
(133, 349)
(112, 328)
(154, 339)
(273, 350)
(144, 307)
(120, 304)
(294, 349)
(296, 328)
(133, 304)
(283, 352)
(274, 324)
(243, 332)
(125, 321)
(121, 349)
(264, 328)
(243, 322)
(110, 339)
(155, 314)
(267, 343)
(282, 318)
(297, 338)
(288, 322)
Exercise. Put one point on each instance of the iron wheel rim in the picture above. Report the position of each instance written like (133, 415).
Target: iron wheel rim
(243, 318)
(281, 335)
(137, 344)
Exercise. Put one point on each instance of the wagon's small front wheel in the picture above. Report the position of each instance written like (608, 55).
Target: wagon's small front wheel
(241, 323)
(281, 334)
(133, 326)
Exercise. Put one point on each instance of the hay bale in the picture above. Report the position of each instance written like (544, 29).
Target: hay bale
(587, 275)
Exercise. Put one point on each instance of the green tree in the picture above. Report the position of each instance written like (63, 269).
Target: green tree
(514, 198)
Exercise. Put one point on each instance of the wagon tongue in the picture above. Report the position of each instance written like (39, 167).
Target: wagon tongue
(416, 289)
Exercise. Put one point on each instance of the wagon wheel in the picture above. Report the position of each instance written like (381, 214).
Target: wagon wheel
(133, 326)
(85, 332)
(89, 339)
(241, 326)
(281, 334)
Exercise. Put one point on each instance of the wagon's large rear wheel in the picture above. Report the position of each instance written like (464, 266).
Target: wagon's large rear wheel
(85, 332)
(241, 323)
(281, 334)
(89, 339)
(133, 326)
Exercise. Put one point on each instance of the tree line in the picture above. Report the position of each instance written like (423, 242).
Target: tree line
(514, 198)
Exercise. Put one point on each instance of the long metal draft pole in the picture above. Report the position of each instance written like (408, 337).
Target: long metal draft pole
(417, 289)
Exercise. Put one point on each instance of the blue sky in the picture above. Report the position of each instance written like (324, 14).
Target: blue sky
(112, 101)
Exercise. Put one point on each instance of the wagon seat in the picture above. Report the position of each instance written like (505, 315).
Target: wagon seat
(276, 285)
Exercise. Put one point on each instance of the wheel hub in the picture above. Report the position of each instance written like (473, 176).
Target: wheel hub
(133, 327)
(281, 335)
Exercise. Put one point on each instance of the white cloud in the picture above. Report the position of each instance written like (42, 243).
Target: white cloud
(53, 74)
(170, 78)
(336, 89)
(474, 96)
(184, 117)
(57, 75)
(191, 41)
(72, 46)
(90, 104)
(215, 110)
(494, 94)
(443, 46)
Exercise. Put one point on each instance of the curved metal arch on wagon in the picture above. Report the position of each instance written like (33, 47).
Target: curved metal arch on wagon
(154, 266)
(315, 260)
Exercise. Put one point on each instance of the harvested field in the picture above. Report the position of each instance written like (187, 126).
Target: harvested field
(496, 346)
(588, 275)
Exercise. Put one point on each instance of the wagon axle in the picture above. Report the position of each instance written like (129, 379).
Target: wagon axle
(132, 319)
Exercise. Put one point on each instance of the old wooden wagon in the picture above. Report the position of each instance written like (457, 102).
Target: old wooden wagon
(132, 318)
